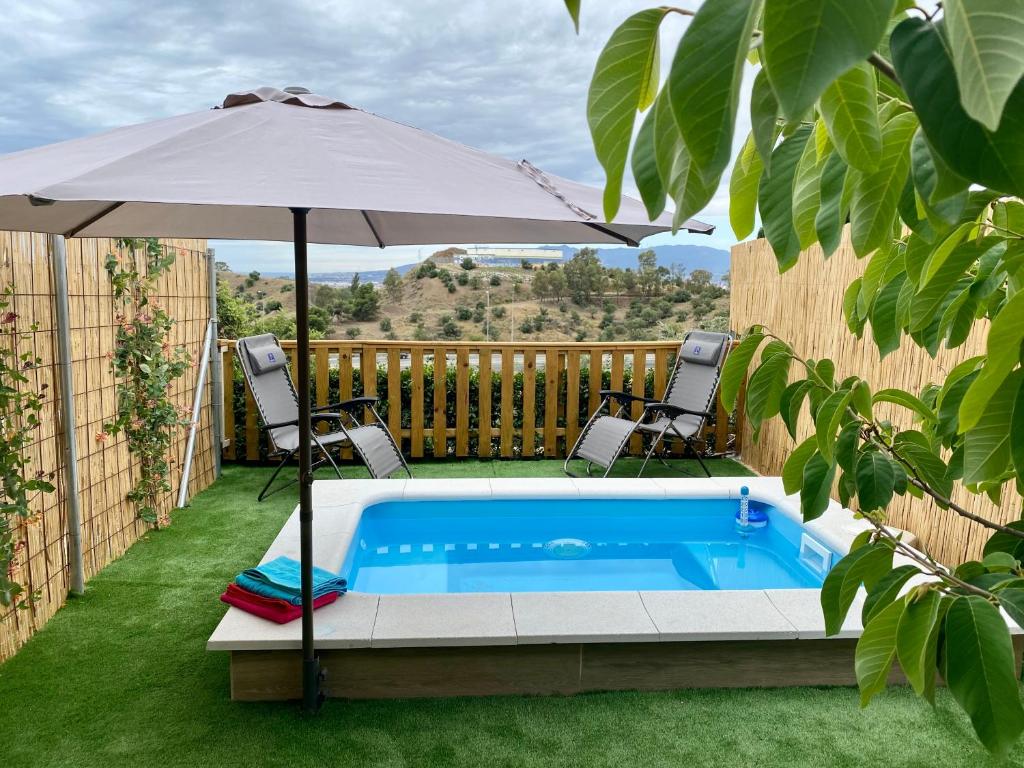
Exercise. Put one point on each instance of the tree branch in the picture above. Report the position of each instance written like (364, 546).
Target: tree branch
(883, 66)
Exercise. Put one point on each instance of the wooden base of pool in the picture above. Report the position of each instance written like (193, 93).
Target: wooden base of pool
(389, 673)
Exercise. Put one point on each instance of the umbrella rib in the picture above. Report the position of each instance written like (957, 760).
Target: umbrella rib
(373, 229)
(611, 233)
(93, 219)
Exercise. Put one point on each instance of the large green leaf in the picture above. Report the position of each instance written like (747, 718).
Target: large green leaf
(885, 326)
(907, 400)
(886, 590)
(827, 420)
(775, 199)
(1017, 434)
(704, 82)
(679, 176)
(873, 207)
(849, 107)
(917, 638)
(1002, 355)
(875, 481)
(746, 174)
(1012, 601)
(625, 81)
(791, 403)
(924, 64)
(806, 194)
(928, 302)
(793, 468)
(980, 671)
(573, 7)
(764, 112)
(865, 565)
(1007, 542)
(987, 443)
(829, 221)
(933, 179)
(819, 474)
(876, 651)
(764, 391)
(735, 369)
(645, 168)
(808, 43)
(914, 447)
(987, 41)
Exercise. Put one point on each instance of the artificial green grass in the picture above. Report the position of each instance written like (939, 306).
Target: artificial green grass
(120, 676)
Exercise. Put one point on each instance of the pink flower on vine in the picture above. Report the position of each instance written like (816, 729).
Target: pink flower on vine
(102, 437)
(9, 317)
(110, 355)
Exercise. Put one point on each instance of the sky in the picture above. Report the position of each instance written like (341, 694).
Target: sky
(507, 77)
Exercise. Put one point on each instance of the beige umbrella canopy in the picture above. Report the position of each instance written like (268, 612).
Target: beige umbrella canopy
(290, 165)
(234, 171)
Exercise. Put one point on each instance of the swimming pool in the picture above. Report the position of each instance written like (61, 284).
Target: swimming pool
(411, 546)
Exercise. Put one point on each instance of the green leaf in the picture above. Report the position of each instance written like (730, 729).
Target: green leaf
(924, 64)
(764, 112)
(1006, 542)
(873, 207)
(980, 671)
(1002, 355)
(735, 369)
(886, 590)
(832, 216)
(986, 38)
(704, 82)
(775, 199)
(866, 565)
(876, 651)
(917, 638)
(851, 300)
(827, 420)
(819, 473)
(1017, 433)
(764, 391)
(849, 107)
(573, 7)
(885, 327)
(808, 43)
(875, 481)
(793, 468)
(625, 81)
(987, 443)
(929, 301)
(645, 168)
(932, 177)
(1012, 600)
(791, 402)
(913, 446)
(943, 251)
(846, 447)
(861, 400)
(746, 174)
(806, 194)
(907, 400)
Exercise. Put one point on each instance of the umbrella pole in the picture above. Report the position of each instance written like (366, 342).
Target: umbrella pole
(311, 697)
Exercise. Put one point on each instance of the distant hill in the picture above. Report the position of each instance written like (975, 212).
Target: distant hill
(687, 257)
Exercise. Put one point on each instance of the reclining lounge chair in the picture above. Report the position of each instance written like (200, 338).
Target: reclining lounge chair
(688, 402)
(265, 367)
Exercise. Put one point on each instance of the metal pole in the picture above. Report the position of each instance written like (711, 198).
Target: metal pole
(310, 664)
(67, 404)
(216, 367)
(197, 403)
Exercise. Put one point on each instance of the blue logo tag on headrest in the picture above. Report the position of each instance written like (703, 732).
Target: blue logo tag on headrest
(270, 356)
(696, 350)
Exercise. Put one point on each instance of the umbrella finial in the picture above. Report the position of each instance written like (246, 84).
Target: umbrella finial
(295, 95)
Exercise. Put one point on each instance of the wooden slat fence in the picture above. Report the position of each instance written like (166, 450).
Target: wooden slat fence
(487, 399)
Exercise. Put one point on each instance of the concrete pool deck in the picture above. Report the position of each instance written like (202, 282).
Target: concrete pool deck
(543, 642)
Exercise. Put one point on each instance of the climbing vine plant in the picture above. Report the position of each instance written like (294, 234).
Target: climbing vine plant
(20, 404)
(145, 365)
(905, 124)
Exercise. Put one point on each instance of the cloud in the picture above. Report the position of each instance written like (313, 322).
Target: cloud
(509, 78)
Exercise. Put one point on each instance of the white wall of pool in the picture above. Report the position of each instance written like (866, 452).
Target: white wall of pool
(363, 619)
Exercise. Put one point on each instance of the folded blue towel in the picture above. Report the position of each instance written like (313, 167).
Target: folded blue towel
(281, 578)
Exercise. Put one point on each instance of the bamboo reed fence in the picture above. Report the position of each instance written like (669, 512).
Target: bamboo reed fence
(540, 394)
(109, 524)
(804, 306)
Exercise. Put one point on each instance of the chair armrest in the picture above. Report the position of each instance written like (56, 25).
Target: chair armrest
(292, 423)
(626, 396)
(674, 411)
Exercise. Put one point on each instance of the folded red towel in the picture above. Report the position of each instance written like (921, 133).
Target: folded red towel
(280, 611)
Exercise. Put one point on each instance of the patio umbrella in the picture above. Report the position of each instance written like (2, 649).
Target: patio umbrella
(269, 164)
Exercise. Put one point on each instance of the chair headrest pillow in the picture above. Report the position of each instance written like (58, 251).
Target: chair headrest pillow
(702, 351)
(265, 354)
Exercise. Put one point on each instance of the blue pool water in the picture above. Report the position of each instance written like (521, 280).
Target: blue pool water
(547, 545)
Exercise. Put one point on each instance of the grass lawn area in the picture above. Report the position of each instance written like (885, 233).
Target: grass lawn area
(120, 677)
